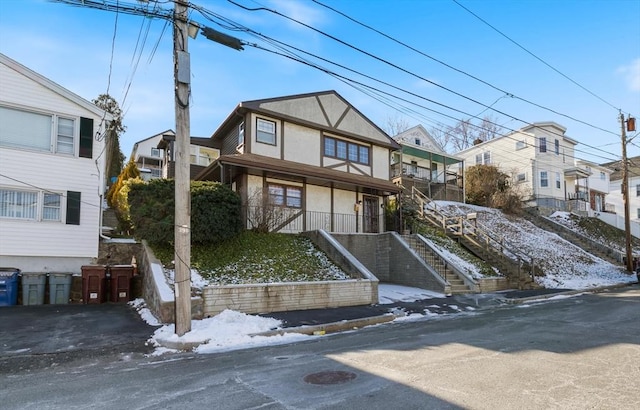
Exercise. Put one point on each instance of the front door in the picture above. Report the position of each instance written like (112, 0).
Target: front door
(370, 214)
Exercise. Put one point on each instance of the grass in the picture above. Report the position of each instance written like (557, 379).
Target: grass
(258, 258)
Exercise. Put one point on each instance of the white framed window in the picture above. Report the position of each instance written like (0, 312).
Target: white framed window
(544, 179)
(202, 156)
(417, 141)
(556, 146)
(30, 205)
(543, 144)
(156, 173)
(478, 159)
(521, 145)
(155, 152)
(603, 176)
(241, 133)
(522, 177)
(285, 195)
(64, 138)
(266, 131)
(558, 183)
(487, 157)
(637, 190)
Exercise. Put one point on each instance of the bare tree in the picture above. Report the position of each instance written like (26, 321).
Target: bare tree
(395, 125)
(465, 133)
(264, 213)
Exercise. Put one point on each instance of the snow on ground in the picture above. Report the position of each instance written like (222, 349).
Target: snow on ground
(564, 264)
(231, 330)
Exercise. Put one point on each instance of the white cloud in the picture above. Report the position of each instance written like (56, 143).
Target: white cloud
(631, 73)
(299, 11)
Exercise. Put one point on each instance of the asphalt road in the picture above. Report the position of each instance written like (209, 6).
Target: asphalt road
(581, 352)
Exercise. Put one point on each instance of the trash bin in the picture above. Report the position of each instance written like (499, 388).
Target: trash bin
(93, 283)
(59, 287)
(120, 282)
(33, 288)
(9, 286)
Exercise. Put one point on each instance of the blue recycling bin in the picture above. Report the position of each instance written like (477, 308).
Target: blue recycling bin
(9, 286)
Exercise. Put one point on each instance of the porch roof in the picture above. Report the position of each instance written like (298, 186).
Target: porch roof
(420, 153)
(576, 172)
(275, 166)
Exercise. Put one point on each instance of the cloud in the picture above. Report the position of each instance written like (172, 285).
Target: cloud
(299, 11)
(631, 73)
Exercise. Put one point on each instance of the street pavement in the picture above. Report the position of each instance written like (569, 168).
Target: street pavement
(42, 335)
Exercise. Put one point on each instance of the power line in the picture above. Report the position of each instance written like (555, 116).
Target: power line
(535, 56)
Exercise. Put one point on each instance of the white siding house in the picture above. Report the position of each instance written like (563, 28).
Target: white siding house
(314, 156)
(540, 160)
(51, 173)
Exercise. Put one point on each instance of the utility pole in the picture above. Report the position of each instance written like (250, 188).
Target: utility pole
(182, 74)
(625, 195)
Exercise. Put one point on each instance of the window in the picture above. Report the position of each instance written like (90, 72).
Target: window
(556, 145)
(521, 145)
(266, 131)
(544, 179)
(202, 156)
(521, 177)
(543, 144)
(64, 142)
(346, 150)
(638, 213)
(285, 195)
(637, 190)
(30, 205)
(603, 176)
(156, 173)
(487, 157)
(417, 141)
(45, 132)
(241, 133)
(558, 183)
(155, 152)
(478, 159)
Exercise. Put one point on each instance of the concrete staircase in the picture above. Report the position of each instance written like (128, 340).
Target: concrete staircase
(595, 248)
(438, 264)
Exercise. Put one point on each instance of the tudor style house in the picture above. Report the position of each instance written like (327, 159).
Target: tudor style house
(422, 163)
(51, 173)
(153, 156)
(540, 160)
(305, 162)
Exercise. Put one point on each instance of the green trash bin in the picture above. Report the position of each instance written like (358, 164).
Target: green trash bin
(59, 287)
(33, 288)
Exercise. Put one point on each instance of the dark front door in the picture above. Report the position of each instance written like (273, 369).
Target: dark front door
(370, 214)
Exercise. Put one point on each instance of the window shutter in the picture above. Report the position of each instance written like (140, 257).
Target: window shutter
(73, 208)
(86, 137)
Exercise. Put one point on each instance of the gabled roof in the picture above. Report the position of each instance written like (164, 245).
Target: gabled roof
(325, 110)
(408, 137)
(56, 88)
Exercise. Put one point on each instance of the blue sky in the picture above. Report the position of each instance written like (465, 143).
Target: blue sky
(595, 43)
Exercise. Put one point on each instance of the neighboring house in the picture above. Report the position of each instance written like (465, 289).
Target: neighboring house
(154, 155)
(593, 189)
(314, 157)
(203, 151)
(148, 157)
(540, 161)
(422, 163)
(51, 173)
(615, 203)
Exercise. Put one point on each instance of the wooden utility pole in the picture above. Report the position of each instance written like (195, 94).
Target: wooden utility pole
(182, 74)
(625, 195)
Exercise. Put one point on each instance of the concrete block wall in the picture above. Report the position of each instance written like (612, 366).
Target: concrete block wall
(279, 297)
(391, 260)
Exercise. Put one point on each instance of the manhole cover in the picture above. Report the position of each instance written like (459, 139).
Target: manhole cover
(329, 377)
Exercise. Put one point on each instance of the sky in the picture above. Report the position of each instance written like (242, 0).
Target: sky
(575, 62)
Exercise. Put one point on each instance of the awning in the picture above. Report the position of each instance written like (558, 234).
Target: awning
(442, 159)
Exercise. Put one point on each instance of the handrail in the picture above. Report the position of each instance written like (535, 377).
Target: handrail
(463, 226)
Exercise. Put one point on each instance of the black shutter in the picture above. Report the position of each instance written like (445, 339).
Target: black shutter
(86, 137)
(73, 208)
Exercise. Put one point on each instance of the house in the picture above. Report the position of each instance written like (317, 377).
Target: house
(592, 190)
(614, 205)
(51, 173)
(305, 162)
(422, 163)
(154, 155)
(540, 161)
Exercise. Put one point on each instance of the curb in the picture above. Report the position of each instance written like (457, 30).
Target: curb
(516, 301)
(331, 327)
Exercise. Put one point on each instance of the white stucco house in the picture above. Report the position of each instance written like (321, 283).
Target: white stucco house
(540, 159)
(422, 163)
(51, 173)
(315, 156)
